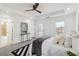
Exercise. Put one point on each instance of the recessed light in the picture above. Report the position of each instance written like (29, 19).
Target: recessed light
(7, 11)
(2, 23)
(68, 8)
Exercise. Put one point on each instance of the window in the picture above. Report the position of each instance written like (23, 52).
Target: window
(60, 24)
(60, 27)
(40, 30)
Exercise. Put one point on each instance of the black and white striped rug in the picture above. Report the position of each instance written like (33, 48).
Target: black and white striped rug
(23, 51)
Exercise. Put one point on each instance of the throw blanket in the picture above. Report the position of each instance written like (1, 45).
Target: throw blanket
(37, 46)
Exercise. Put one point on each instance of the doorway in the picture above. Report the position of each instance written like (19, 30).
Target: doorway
(5, 32)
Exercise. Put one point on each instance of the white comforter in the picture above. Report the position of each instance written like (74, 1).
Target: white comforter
(49, 48)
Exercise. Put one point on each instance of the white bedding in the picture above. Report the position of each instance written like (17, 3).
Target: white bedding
(49, 48)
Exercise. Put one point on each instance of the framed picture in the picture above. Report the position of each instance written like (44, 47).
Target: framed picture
(24, 27)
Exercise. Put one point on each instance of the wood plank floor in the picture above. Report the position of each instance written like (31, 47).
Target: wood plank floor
(6, 51)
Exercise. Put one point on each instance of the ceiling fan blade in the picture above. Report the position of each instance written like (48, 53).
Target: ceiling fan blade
(38, 11)
(36, 5)
(35, 8)
(29, 10)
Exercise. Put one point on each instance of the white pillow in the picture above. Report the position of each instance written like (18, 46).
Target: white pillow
(68, 42)
(60, 39)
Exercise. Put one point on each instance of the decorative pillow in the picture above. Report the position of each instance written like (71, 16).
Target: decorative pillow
(68, 42)
(60, 39)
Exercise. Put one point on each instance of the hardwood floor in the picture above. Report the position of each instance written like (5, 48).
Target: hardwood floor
(6, 51)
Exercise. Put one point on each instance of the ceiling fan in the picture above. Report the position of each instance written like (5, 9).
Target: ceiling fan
(35, 8)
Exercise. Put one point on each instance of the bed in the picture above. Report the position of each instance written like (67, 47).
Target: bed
(43, 47)
(47, 47)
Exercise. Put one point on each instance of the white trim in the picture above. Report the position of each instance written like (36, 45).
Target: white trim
(77, 20)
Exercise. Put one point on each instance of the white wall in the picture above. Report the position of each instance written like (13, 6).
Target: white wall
(17, 28)
(5, 40)
(13, 23)
(50, 24)
(16, 18)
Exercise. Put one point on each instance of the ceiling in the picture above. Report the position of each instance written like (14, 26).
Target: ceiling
(44, 7)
